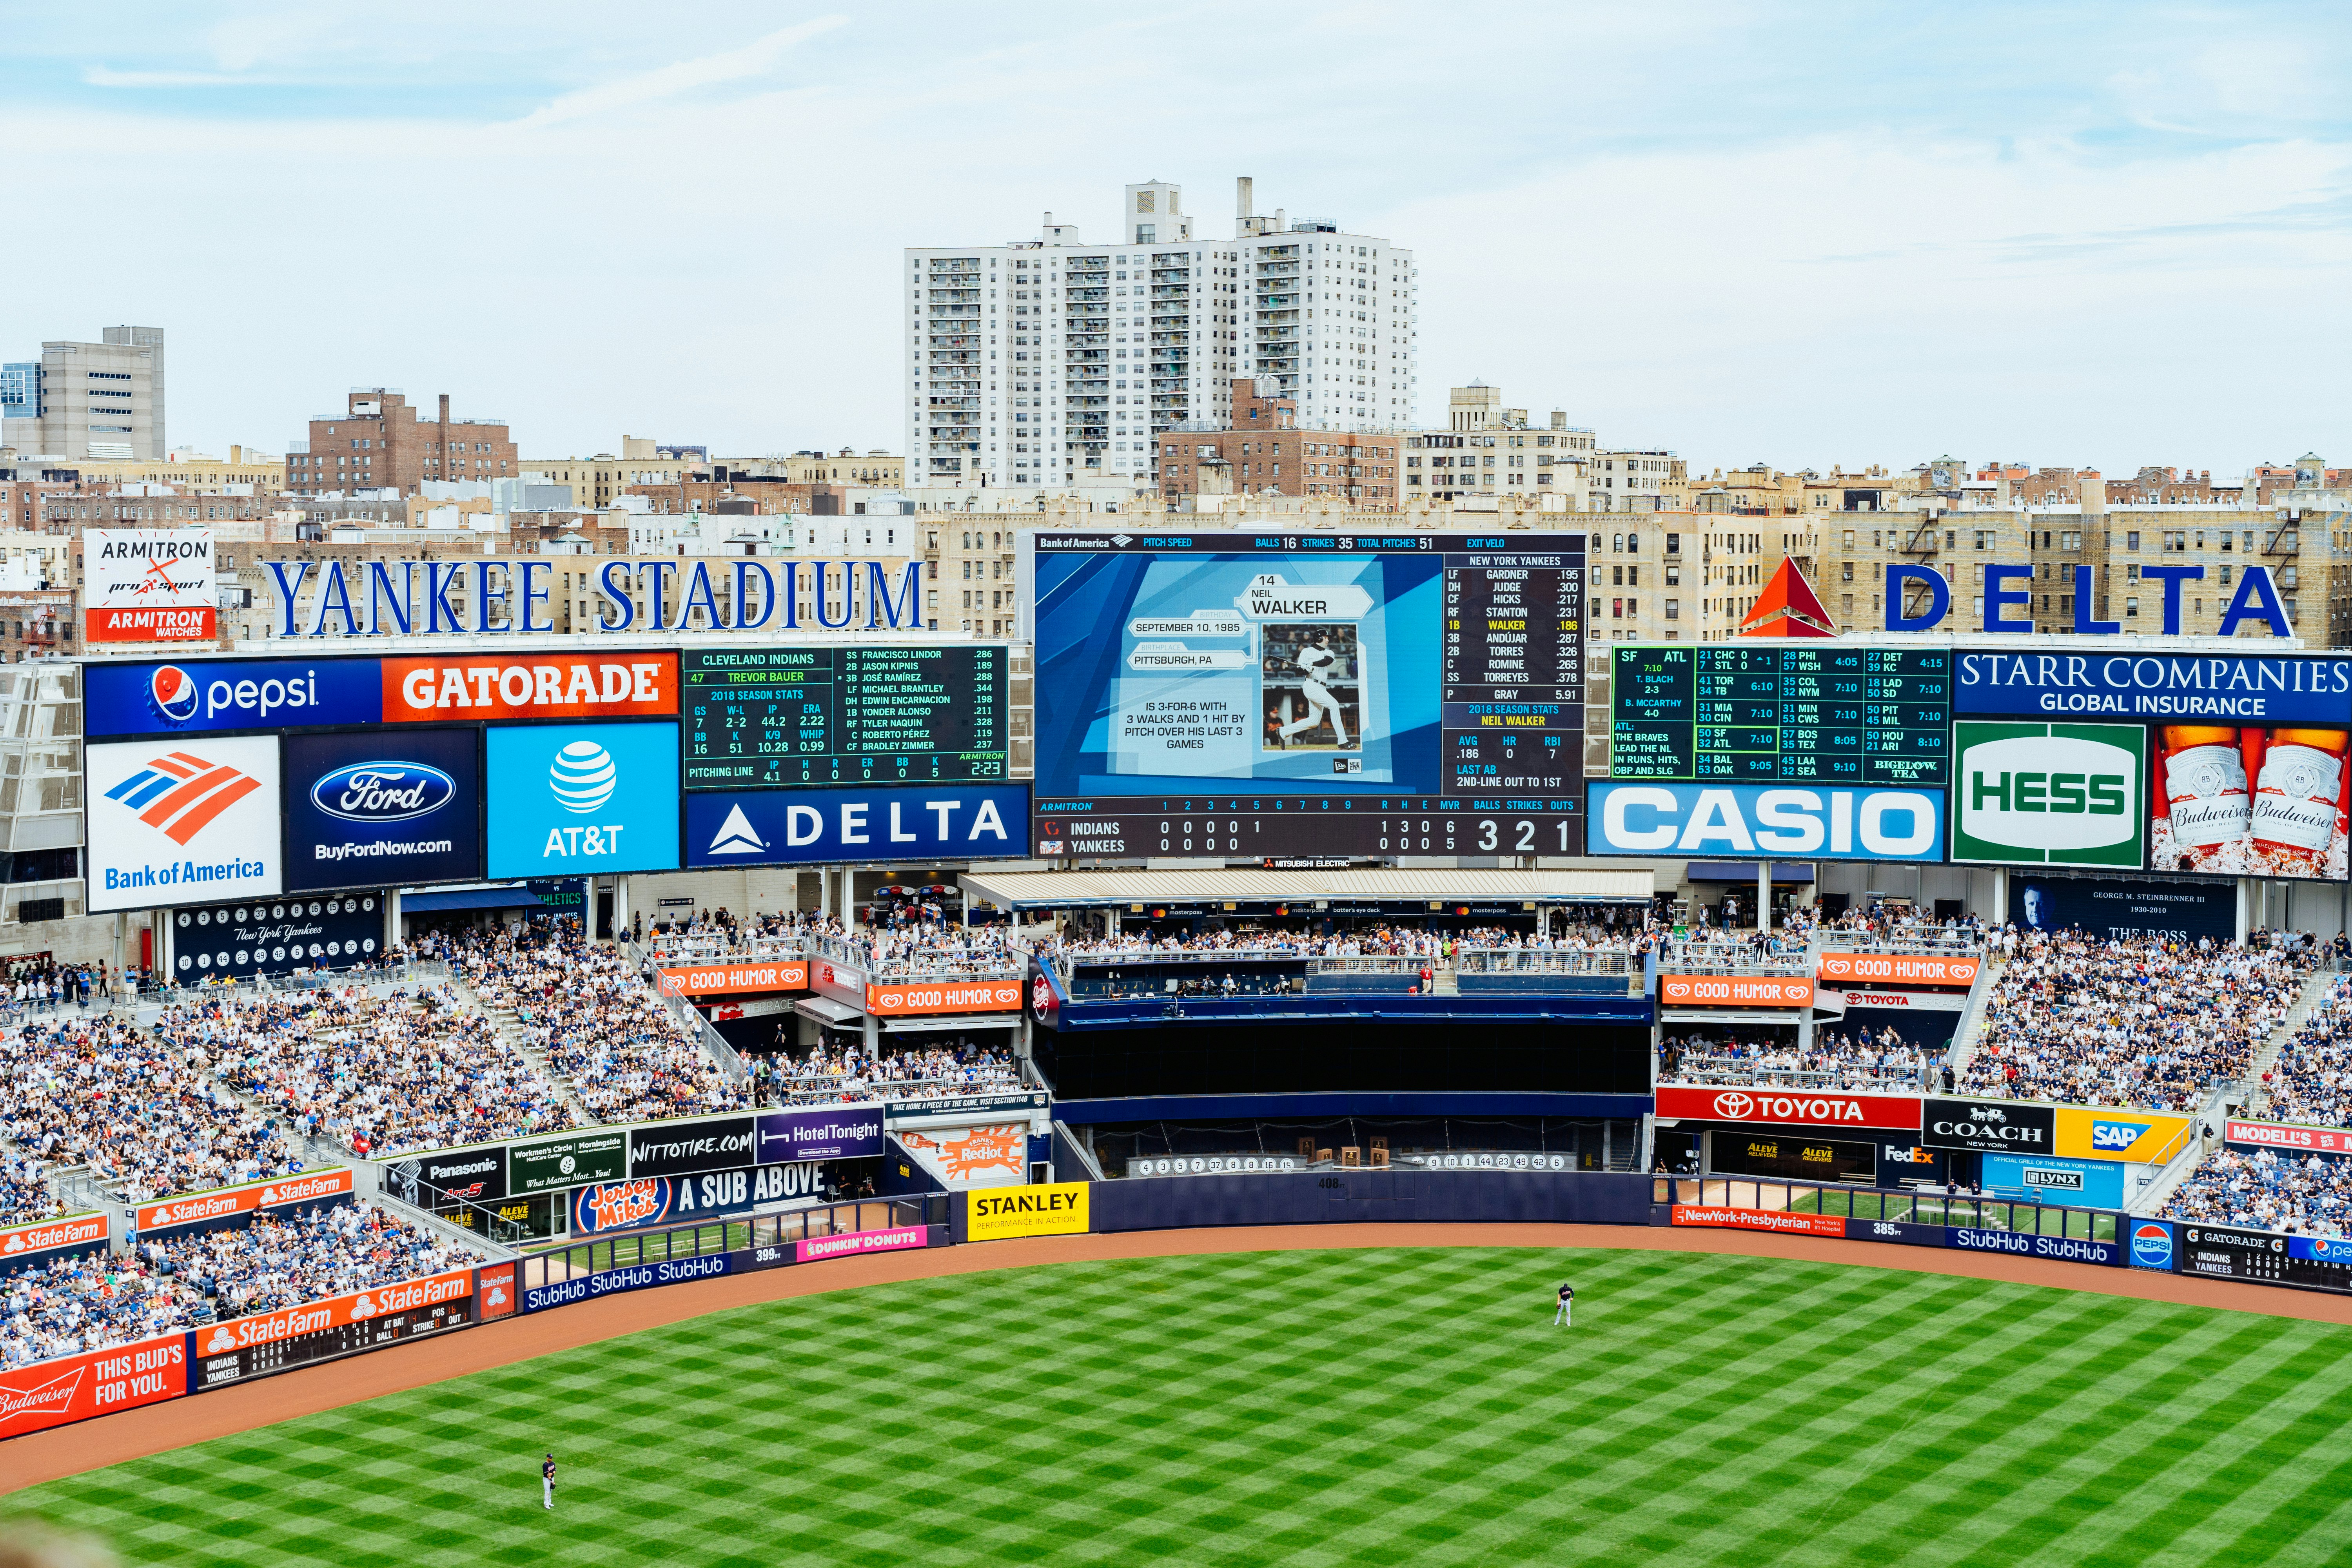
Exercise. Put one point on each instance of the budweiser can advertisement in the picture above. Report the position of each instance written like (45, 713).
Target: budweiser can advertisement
(2250, 801)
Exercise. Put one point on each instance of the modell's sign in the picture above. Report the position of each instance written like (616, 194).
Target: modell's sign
(2288, 1135)
(316, 1317)
(1898, 969)
(148, 584)
(26, 1245)
(232, 1205)
(1790, 1108)
(1734, 991)
(477, 598)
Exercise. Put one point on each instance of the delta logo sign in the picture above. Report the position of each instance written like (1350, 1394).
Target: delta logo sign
(170, 827)
(2256, 599)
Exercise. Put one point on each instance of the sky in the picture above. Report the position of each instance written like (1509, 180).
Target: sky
(1806, 234)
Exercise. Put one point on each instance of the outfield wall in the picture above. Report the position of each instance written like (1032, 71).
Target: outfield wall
(1355, 1196)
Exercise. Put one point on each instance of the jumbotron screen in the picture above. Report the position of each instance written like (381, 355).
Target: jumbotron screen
(1308, 694)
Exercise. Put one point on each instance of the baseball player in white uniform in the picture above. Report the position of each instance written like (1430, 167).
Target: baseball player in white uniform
(547, 1482)
(1567, 1300)
(1312, 661)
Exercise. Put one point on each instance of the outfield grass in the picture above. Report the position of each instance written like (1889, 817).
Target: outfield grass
(1306, 1408)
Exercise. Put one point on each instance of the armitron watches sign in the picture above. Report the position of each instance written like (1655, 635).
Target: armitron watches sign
(2048, 793)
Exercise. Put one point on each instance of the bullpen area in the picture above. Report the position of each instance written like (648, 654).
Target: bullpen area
(1380, 1405)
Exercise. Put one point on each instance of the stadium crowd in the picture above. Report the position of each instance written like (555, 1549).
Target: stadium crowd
(381, 1074)
(626, 1056)
(824, 1077)
(96, 1302)
(2138, 1022)
(2310, 1195)
(2312, 1081)
(140, 1109)
(1835, 1061)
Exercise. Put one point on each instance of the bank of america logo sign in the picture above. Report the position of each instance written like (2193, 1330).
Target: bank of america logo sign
(180, 793)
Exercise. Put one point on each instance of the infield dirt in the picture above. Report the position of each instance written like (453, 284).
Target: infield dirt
(110, 1439)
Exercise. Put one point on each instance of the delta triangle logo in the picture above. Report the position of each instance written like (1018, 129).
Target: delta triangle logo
(1788, 608)
(736, 836)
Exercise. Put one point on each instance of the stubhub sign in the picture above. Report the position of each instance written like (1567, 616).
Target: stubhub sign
(1821, 824)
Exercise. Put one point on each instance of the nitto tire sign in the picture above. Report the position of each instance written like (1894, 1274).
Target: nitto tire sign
(2049, 795)
(2010, 1126)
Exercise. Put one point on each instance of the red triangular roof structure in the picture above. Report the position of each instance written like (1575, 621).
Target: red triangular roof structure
(1789, 608)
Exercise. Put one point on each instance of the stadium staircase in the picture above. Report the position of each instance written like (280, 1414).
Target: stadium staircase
(2315, 990)
(1964, 1038)
(509, 1028)
(368, 1182)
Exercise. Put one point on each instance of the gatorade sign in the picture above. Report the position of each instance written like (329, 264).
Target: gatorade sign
(2048, 793)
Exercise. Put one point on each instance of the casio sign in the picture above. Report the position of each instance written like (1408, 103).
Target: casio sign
(1756, 819)
(382, 792)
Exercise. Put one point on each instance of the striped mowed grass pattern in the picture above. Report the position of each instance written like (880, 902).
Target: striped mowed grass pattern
(1307, 1408)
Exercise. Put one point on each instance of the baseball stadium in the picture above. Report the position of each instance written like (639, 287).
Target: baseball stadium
(536, 1134)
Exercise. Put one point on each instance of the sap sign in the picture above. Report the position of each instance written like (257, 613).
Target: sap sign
(770, 827)
(2256, 600)
(1767, 819)
(582, 799)
(201, 695)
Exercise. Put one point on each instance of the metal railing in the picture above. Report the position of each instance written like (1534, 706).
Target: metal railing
(1913, 1206)
(629, 1249)
(1716, 1072)
(1926, 944)
(1543, 960)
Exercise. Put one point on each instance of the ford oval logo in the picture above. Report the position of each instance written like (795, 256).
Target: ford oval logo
(382, 792)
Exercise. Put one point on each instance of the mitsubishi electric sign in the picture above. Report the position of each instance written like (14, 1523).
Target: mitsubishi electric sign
(2048, 793)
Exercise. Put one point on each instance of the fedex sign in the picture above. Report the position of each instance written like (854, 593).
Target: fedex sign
(1821, 824)
(2256, 599)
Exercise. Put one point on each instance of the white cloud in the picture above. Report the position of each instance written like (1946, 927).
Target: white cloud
(753, 59)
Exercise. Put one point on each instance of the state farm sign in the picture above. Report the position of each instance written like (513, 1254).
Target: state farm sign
(1790, 1108)
(227, 1204)
(334, 1312)
(1735, 991)
(1898, 969)
(23, 1244)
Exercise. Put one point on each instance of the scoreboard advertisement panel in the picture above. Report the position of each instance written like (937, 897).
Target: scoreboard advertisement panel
(1272, 693)
(816, 718)
(1821, 713)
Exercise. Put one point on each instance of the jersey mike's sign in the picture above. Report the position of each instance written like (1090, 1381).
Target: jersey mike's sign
(475, 598)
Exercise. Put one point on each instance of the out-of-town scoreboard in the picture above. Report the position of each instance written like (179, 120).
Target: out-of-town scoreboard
(784, 718)
(1829, 714)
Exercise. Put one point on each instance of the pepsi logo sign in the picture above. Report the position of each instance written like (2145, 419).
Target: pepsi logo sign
(173, 694)
(382, 792)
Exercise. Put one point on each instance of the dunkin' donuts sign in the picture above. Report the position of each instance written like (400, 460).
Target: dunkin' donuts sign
(1790, 1108)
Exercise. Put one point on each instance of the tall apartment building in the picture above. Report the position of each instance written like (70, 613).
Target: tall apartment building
(379, 442)
(1053, 362)
(102, 400)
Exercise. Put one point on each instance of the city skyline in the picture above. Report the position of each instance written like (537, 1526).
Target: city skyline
(2067, 237)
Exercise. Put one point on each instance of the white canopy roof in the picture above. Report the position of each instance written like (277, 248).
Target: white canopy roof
(1073, 890)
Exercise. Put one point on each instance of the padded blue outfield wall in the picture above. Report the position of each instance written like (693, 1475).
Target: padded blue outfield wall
(1327, 1197)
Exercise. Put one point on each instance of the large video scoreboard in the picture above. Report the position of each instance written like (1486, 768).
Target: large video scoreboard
(1308, 694)
(1829, 714)
(785, 718)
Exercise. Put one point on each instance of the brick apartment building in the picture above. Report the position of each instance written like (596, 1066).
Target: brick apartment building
(379, 442)
(1265, 452)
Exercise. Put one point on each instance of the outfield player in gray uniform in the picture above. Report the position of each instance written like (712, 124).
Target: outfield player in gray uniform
(547, 1482)
(1567, 1300)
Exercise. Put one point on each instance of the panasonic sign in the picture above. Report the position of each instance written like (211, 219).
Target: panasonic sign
(1690, 819)
(2049, 793)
